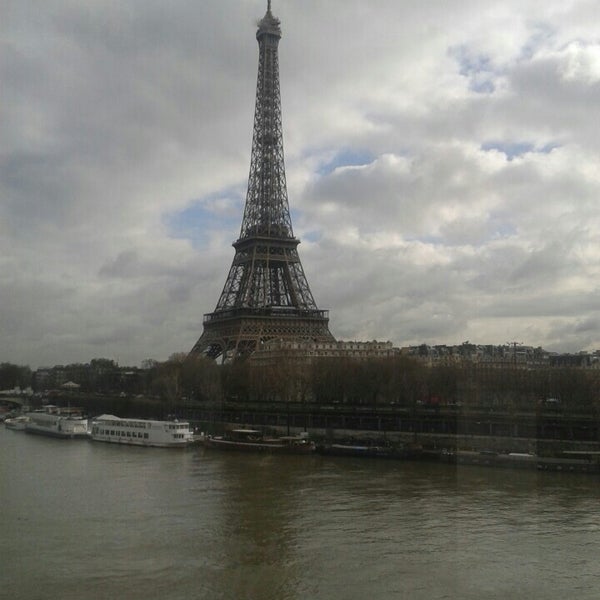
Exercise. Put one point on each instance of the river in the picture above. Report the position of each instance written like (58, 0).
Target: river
(86, 520)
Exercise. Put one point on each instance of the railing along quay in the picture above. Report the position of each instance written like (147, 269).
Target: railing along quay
(539, 425)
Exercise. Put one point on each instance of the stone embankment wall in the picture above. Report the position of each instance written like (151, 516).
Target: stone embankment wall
(449, 442)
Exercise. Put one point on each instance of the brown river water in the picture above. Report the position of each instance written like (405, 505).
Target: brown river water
(86, 520)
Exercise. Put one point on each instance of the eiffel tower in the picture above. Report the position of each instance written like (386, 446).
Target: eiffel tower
(266, 295)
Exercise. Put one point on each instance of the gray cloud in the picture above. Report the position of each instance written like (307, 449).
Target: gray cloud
(472, 216)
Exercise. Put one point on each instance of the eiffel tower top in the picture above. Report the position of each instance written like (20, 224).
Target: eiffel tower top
(267, 210)
(269, 25)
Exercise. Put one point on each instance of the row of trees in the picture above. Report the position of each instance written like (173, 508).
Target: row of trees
(13, 376)
(397, 381)
(400, 381)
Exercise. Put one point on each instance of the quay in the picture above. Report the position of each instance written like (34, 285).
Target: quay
(450, 426)
(546, 439)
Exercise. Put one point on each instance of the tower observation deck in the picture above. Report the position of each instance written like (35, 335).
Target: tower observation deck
(266, 295)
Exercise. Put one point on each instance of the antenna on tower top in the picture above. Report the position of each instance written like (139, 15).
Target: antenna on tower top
(268, 5)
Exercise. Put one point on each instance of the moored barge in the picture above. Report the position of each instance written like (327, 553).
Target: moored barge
(253, 440)
(56, 421)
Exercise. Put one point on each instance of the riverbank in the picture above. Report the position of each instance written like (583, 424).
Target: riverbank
(542, 432)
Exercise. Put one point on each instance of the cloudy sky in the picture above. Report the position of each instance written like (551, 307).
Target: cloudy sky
(442, 161)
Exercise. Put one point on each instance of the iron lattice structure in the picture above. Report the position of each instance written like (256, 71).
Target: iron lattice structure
(266, 295)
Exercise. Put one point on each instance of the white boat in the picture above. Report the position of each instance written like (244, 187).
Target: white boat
(141, 432)
(58, 422)
(17, 423)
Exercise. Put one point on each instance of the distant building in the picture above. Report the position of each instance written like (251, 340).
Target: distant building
(499, 356)
(582, 360)
(43, 379)
(100, 375)
(306, 351)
